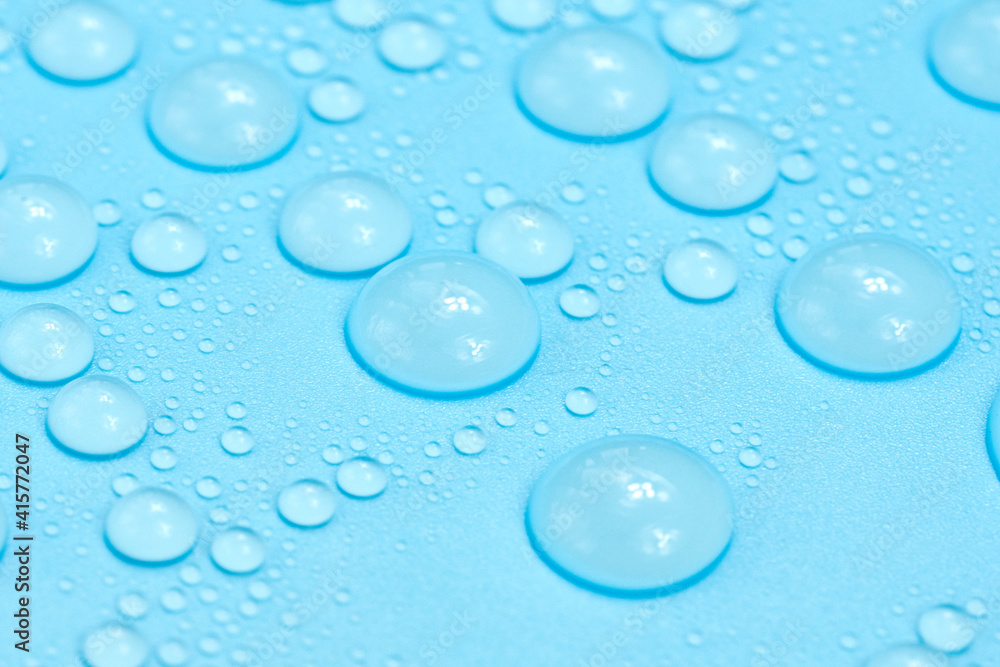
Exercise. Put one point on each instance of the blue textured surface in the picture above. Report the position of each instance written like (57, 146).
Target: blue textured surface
(881, 503)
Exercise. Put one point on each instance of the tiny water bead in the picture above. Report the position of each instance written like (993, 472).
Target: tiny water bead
(83, 42)
(97, 416)
(48, 231)
(238, 551)
(700, 31)
(523, 15)
(169, 244)
(581, 401)
(469, 440)
(594, 82)
(713, 163)
(872, 305)
(307, 504)
(579, 302)
(701, 271)
(912, 655)
(151, 526)
(964, 51)
(412, 45)
(336, 101)
(631, 515)
(224, 114)
(345, 223)
(530, 241)
(797, 168)
(361, 478)
(237, 441)
(947, 629)
(444, 323)
(114, 646)
(45, 343)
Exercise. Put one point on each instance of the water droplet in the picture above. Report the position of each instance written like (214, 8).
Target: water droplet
(169, 298)
(237, 441)
(469, 440)
(530, 241)
(224, 114)
(713, 163)
(795, 247)
(345, 223)
(362, 14)
(412, 45)
(236, 410)
(306, 60)
(506, 417)
(963, 263)
(523, 15)
(97, 416)
(361, 478)
(594, 82)
(121, 302)
(306, 503)
(48, 231)
(238, 551)
(45, 343)
(613, 10)
(336, 101)
(163, 458)
(169, 244)
(631, 515)
(947, 629)
(871, 305)
(444, 323)
(581, 401)
(83, 42)
(700, 271)
(114, 646)
(579, 301)
(908, 656)
(151, 526)
(797, 168)
(964, 51)
(700, 31)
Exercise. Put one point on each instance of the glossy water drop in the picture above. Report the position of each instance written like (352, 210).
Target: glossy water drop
(412, 45)
(908, 656)
(237, 441)
(362, 14)
(701, 271)
(530, 241)
(45, 343)
(306, 60)
(97, 416)
(797, 168)
(238, 551)
(947, 629)
(121, 302)
(965, 50)
(336, 101)
(469, 440)
(631, 515)
(151, 526)
(361, 478)
(613, 10)
(594, 82)
(306, 503)
(114, 646)
(580, 302)
(345, 223)
(581, 401)
(48, 231)
(713, 163)
(169, 244)
(523, 15)
(444, 323)
(700, 31)
(224, 114)
(83, 42)
(871, 305)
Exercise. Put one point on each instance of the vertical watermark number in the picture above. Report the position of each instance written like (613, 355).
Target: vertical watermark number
(22, 543)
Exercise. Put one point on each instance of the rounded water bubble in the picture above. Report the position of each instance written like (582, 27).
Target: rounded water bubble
(530, 241)
(911, 655)
(597, 82)
(700, 31)
(151, 526)
(797, 168)
(965, 50)
(469, 440)
(97, 416)
(523, 15)
(345, 223)
(336, 101)
(361, 478)
(947, 629)
(45, 343)
(581, 401)
(579, 302)
(361, 14)
(700, 271)
(237, 440)
(83, 42)
(872, 305)
(444, 323)
(306, 503)
(48, 231)
(613, 10)
(169, 244)
(114, 646)
(224, 114)
(412, 45)
(238, 551)
(655, 516)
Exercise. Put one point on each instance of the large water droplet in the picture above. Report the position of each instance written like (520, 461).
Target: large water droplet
(947, 629)
(361, 478)
(444, 323)
(631, 515)
(224, 114)
(169, 244)
(700, 271)
(97, 416)
(345, 223)
(700, 31)
(412, 45)
(713, 163)
(238, 551)
(469, 440)
(45, 343)
(306, 503)
(524, 15)
(48, 231)
(83, 42)
(581, 401)
(594, 82)
(530, 241)
(871, 305)
(908, 656)
(114, 646)
(579, 301)
(965, 50)
(151, 526)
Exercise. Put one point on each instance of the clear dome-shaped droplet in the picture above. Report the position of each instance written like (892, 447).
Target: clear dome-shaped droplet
(631, 515)
(598, 82)
(151, 526)
(713, 163)
(700, 31)
(947, 629)
(361, 478)
(362, 14)
(237, 440)
(114, 646)
(412, 45)
(965, 50)
(530, 241)
(97, 416)
(469, 440)
(797, 168)
(238, 551)
(45, 343)
(345, 223)
(47, 231)
(523, 15)
(83, 42)
(336, 101)
(306, 503)
(700, 271)
(869, 305)
(224, 114)
(581, 401)
(169, 244)
(444, 323)
(908, 656)
(579, 301)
